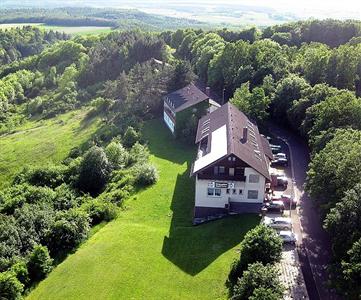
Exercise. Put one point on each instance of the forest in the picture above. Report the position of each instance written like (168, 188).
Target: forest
(292, 74)
(124, 19)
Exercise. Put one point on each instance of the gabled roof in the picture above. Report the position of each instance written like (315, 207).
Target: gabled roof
(266, 148)
(242, 139)
(185, 97)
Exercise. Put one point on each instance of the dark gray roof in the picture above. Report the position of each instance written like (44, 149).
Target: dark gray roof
(185, 97)
(266, 147)
(243, 137)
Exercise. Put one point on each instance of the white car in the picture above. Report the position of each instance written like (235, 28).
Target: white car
(288, 237)
(278, 222)
(280, 155)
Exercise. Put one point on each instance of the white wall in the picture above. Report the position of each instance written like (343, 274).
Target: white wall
(202, 198)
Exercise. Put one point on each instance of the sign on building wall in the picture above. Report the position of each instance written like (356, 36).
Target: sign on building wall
(221, 185)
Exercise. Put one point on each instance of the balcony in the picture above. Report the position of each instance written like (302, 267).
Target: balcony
(225, 177)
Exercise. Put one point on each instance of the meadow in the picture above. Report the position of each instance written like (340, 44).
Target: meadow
(152, 250)
(73, 30)
(41, 142)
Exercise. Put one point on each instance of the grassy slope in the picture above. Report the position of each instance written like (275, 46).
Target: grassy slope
(42, 142)
(75, 30)
(152, 251)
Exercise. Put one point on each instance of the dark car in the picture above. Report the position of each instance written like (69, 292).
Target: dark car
(274, 206)
(279, 162)
(282, 181)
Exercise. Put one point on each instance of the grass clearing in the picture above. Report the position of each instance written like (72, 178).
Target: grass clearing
(42, 142)
(152, 251)
(73, 30)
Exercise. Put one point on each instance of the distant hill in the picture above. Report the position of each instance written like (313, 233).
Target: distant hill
(116, 18)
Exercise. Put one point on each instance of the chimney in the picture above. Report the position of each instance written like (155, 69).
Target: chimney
(245, 134)
(208, 91)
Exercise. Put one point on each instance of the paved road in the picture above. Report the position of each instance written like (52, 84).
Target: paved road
(314, 247)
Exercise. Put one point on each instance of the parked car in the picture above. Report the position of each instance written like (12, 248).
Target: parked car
(274, 206)
(280, 155)
(278, 223)
(282, 181)
(286, 199)
(275, 148)
(279, 162)
(288, 237)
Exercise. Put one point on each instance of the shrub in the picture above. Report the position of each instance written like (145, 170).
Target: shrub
(117, 155)
(146, 174)
(65, 198)
(255, 278)
(138, 154)
(40, 263)
(51, 176)
(10, 287)
(130, 137)
(94, 170)
(21, 272)
(99, 211)
(68, 231)
(261, 244)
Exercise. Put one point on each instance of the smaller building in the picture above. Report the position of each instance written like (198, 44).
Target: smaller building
(232, 164)
(181, 104)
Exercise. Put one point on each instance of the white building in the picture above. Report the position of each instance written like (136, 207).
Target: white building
(232, 165)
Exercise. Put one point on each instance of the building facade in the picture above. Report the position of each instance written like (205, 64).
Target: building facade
(232, 165)
(181, 104)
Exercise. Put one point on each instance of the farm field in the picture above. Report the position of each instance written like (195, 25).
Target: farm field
(75, 30)
(41, 142)
(152, 251)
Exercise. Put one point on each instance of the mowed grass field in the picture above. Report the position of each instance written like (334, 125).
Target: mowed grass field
(42, 142)
(73, 30)
(152, 251)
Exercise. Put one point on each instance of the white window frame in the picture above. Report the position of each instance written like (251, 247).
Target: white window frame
(252, 191)
(253, 178)
(213, 194)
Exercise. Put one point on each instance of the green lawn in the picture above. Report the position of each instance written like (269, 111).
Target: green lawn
(152, 251)
(74, 30)
(42, 142)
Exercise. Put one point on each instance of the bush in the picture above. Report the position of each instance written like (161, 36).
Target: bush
(40, 263)
(261, 244)
(146, 174)
(51, 176)
(117, 155)
(10, 287)
(65, 198)
(68, 231)
(94, 170)
(138, 154)
(130, 137)
(99, 211)
(255, 278)
(21, 272)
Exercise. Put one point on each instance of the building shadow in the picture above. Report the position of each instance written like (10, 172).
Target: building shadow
(193, 248)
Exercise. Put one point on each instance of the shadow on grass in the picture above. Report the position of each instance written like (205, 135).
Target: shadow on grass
(193, 248)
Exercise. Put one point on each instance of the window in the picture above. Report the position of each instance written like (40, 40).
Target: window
(214, 192)
(252, 194)
(216, 170)
(227, 191)
(231, 171)
(222, 170)
(240, 192)
(234, 191)
(253, 178)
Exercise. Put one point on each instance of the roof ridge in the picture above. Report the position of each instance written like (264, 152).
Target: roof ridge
(230, 126)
